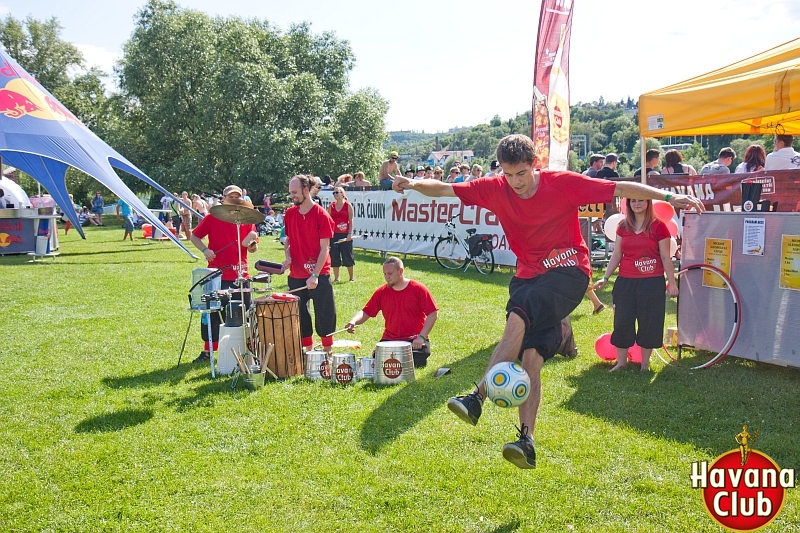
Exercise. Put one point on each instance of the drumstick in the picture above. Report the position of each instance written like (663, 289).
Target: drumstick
(335, 332)
(242, 367)
(218, 251)
(264, 367)
(298, 289)
(349, 239)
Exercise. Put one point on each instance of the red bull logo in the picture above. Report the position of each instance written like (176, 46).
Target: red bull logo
(21, 97)
(15, 105)
(7, 240)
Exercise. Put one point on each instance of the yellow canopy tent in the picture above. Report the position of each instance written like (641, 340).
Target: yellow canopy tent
(760, 94)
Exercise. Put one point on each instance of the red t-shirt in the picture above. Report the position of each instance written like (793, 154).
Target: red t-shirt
(341, 219)
(304, 233)
(220, 236)
(543, 230)
(404, 312)
(640, 255)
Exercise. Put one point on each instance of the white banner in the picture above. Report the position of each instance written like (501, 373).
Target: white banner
(411, 223)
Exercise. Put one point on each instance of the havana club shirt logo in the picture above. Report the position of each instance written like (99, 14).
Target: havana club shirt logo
(561, 258)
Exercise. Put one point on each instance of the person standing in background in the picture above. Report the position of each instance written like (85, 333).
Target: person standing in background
(125, 210)
(341, 212)
(97, 207)
(641, 252)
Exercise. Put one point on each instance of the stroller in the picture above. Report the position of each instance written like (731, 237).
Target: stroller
(268, 228)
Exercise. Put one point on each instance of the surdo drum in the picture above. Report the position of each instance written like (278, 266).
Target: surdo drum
(343, 368)
(278, 322)
(394, 362)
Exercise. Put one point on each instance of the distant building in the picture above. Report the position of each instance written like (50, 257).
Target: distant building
(439, 158)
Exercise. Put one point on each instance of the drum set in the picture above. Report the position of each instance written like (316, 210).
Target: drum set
(263, 335)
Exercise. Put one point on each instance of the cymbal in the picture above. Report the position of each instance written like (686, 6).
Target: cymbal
(237, 214)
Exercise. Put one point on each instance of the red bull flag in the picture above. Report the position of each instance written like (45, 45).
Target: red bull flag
(550, 124)
(42, 138)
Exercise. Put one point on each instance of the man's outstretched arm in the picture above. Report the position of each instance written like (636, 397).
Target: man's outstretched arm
(638, 191)
(436, 189)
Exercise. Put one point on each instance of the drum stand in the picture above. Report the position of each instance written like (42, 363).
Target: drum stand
(210, 342)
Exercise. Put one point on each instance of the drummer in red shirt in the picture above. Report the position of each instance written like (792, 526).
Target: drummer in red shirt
(409, 311)
(538, 210)
(222, 253)
(309, 229)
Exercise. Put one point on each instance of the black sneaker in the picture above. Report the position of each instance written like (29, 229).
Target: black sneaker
(521, 453)
(202, 358)
(467, 407)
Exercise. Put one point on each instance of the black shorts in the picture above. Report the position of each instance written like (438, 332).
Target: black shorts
(639, 301)
(341, 254)
(542, 302)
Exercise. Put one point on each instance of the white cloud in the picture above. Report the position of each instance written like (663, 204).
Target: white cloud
(96, 56)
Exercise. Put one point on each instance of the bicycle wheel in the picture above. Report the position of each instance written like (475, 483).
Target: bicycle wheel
(449, 253)
(484, 263)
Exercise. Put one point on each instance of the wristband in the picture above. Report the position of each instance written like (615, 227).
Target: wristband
(667, 197)
(204, 250)
(605, 279)
(315, 276)
(423, 336)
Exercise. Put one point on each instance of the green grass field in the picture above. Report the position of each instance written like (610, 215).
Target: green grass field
(100, 431)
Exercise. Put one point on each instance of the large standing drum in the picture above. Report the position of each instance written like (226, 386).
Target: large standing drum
(209, 286)
(278, 322)
(394, 362)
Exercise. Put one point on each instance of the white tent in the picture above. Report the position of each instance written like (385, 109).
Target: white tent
(15, 192)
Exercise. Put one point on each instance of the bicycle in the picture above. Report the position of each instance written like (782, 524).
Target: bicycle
(453, 252)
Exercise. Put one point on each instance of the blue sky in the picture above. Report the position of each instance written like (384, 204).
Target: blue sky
(449, 63)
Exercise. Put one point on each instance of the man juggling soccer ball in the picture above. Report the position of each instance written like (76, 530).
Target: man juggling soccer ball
(538, 210)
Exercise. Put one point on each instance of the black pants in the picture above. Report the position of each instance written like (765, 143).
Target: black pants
(324, 306)
(542, 302)
(642, 301)
(341, 254)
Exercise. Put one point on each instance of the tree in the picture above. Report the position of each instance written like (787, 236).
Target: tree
(215, 101)
(39, 49)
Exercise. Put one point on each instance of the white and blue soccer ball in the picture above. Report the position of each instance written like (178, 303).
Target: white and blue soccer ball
(507, 384)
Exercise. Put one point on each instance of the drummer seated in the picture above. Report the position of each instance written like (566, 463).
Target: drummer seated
(409, 311)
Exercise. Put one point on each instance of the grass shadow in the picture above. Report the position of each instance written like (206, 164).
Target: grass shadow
(711, 408)
(411, 403)
(114, 421)
(172, 374)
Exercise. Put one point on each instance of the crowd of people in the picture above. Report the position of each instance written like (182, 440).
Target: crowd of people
(756, 159)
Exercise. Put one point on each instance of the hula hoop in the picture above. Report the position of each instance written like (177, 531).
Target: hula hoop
(737, 318)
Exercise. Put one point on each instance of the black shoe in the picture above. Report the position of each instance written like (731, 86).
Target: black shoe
(467, 408)
(204, 357)
(521, 453)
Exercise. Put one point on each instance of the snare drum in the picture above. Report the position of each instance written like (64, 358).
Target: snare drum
(343, 368)
(394, 362)
(207, 287)
(317, 365)
(278, 322)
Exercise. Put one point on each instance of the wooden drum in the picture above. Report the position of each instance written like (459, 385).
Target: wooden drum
(278, 322)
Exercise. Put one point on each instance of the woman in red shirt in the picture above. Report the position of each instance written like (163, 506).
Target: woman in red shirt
(341, 252)
(642, 253)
